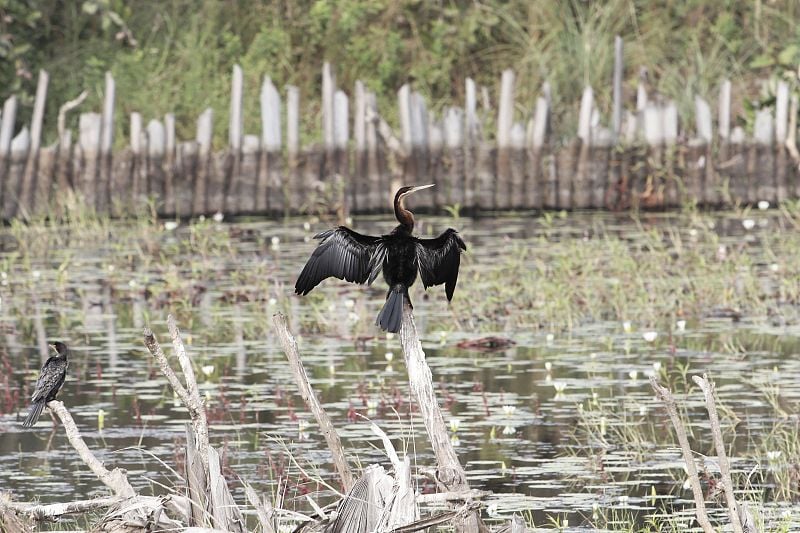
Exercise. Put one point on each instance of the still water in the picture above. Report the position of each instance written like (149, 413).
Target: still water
(518, 414)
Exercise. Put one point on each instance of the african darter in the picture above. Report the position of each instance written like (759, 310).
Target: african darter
(351, 256)
(51, 377)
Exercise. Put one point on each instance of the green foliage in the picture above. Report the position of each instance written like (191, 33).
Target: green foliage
(177, 56)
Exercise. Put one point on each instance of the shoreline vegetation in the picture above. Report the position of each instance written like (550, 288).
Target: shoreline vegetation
(176, 57)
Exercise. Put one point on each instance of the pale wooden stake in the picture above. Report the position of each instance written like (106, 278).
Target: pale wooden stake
(341, 126)
(585, 116)
(505, 109)
(292, 120)
(616, 116)
(235, 128)
(270, 116)
(107, 139)
(328, 110)
(702, 116)
(724, 119)
(781, 112)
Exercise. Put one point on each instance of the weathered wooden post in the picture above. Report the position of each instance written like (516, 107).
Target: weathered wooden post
(20, 146)
(231, 177)
(781, 133)
(30, 200)
(90, 127)
(537, 176)
(156, 147)
(103, 193)
(581, 190)
(168, 167)
(453, 133)
(269, 157)
(471, 142)
(205, 131)
(359, 183)
(699, 185)
(505, 121)
(288, 192)
(376, 158)
(9, 117)
(341, 183)
(763, 135)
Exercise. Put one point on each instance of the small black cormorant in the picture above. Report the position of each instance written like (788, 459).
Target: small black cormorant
(51, 377)
(345, 254)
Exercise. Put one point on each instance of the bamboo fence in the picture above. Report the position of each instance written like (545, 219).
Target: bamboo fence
(645, 158)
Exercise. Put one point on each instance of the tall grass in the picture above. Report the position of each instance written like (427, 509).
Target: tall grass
(177, 56)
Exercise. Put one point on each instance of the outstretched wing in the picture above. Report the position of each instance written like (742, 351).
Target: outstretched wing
(438, 260)
(342, 253)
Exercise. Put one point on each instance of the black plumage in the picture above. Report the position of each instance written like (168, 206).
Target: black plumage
(51, 378)
(345, 254)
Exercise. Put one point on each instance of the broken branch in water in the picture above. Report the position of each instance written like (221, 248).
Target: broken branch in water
(115, 479)
(310, 398)
(450, 474)
(724, 465)
(668, 400)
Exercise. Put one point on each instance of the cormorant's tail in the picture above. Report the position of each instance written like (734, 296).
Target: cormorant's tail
(391, 315)
(33, 414)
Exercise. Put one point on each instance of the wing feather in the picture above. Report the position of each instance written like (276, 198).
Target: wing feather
(342, 253)
(439, 259)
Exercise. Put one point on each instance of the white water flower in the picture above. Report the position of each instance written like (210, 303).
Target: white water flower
(593, 355)
(348, 221)
(559, 386)
(748, 223)
(275, 242)
(650, 336)
(491, 510)
(455, 423)
(681, 325)
(170, 225)
(307, 226)
(550, 338)
(642, 410)
(633, 374)
(626, 326)
(509, 430)
(349, 304)
(272, 301)
(509, 409)
(763, 205)
(218, 216)
(36, 274)
(389, 336)
(207, 369)
(548, 366)
(693, 232)
(389, 356)
(774, 267)
(132, 284)
(774, 455)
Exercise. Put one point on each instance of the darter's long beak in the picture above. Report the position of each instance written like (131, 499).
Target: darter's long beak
(416, 188)
(52, 347)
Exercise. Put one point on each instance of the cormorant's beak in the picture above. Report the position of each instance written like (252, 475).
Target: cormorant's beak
(419, 188)
(52, 347)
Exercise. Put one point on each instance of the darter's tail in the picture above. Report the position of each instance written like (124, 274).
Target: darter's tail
(33, 414)
(391, 315)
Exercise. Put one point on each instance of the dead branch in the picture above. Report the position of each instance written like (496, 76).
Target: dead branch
(668, 400)
(724, 465)
(450, 474)
(66, 108)
(310, 398)
(211, 501)
(116, 479)
(41, 512)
